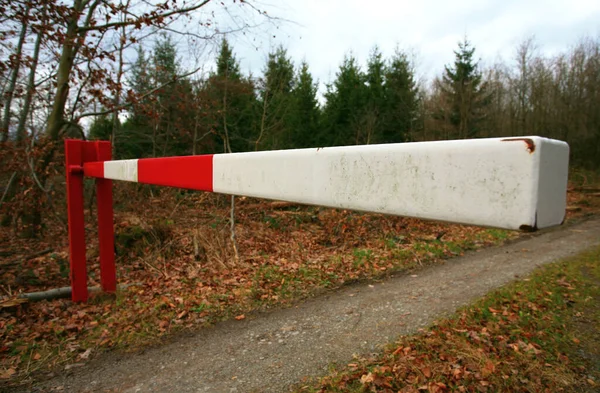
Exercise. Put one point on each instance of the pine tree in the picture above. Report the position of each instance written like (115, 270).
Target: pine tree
(134, 136)
(227, 65)
(462, 84)
(345, 100)
(140, 74)
(172, 109)
(276, 100)
(279, 74)
(101, 128)
(161, 125)
(401, 100)
(231, 104)
(374, 112)
(305, 110)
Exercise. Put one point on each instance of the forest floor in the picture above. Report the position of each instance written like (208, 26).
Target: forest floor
(176, 251)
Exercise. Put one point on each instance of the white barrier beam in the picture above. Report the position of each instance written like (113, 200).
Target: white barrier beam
(512, 183)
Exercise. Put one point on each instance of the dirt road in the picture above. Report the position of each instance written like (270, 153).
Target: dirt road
(269, 352)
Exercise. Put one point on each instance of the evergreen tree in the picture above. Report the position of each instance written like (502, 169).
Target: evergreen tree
(305, 110)
(462, 85)
(227, 65)
(231, 104)
(279, 75)
(374, 111)
(101, 128)
(401, 100)
(140, 74)
(172, 108)
(276, 102)
(345, 100)
(134, 137)
(161, 125)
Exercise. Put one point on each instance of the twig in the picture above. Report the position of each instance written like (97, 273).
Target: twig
(217, 252)
(154, 267)
(148, 93)
(159, 251)
(28, 362)
(28, 257)
(177, 205)
(8, 186)
(8, 291)
(47, 192)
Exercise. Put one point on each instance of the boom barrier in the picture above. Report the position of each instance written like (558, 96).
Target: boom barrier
(510, 183)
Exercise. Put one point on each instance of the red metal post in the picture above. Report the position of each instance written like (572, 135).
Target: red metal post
(108, 273)
(74, 162)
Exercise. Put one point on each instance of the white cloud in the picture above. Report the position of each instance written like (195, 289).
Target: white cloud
(323, 31)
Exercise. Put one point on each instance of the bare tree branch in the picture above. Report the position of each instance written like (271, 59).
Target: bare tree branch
(149, 93)
(143, 19)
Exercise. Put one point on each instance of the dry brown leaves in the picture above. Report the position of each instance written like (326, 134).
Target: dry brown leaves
(177, 247)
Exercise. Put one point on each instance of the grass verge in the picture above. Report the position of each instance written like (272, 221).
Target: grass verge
(540, 334)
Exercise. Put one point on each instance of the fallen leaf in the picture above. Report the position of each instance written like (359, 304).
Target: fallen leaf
(7, 373)
(86, 354)
(426, 372)
(367, 378)
(240, 317)
(397, 351)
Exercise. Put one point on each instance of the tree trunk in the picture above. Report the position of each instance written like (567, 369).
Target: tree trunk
(56, 120)
(13, 78)
(21, 133)
(64, 292)
(117, 98)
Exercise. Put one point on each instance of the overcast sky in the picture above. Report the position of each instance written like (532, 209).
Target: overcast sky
(322, 31)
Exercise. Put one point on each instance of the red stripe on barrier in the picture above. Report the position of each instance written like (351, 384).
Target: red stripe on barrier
(192, 172)
(94, 169)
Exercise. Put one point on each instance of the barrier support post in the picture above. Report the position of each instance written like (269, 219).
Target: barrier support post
(77, 153)
(74, 169)
(108, 273)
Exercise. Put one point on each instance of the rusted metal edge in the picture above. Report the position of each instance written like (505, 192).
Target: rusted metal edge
(528, 141)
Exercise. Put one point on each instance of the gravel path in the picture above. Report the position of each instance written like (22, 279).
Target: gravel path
(270, 352)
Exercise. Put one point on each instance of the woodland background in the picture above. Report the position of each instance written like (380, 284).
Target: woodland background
(187, 259)
(63, 74)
